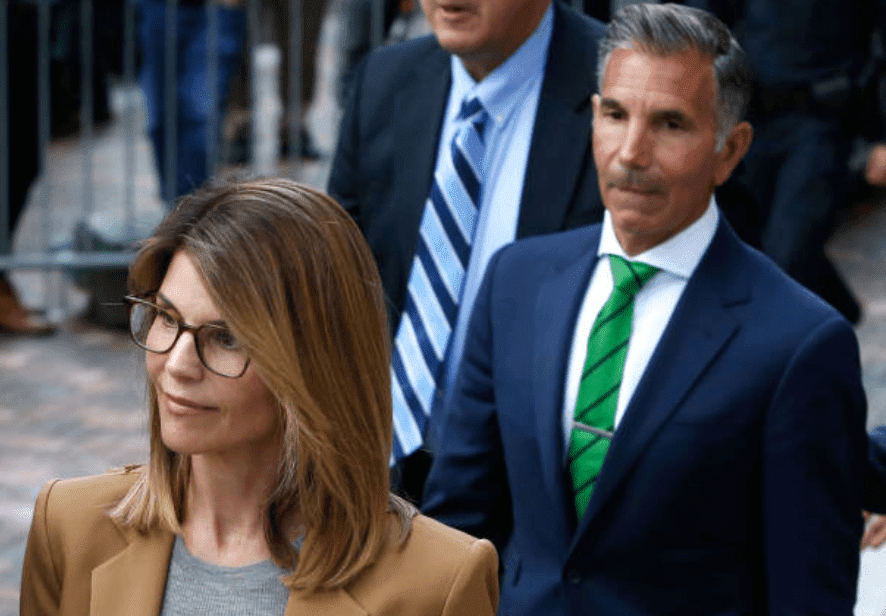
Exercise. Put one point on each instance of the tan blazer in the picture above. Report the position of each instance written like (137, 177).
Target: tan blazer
(78, 561)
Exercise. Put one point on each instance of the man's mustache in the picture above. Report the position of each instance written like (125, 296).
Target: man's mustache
(632, 179)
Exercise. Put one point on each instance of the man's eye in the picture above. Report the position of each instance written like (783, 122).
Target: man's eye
(673, 123)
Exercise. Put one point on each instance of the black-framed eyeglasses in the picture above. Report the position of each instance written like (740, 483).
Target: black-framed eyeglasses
(157, 329)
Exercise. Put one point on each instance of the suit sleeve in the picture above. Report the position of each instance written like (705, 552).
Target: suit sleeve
(474, 591)
(875, 474)
(41, 584)
(468, 486)
(344, 180)
(813, 468)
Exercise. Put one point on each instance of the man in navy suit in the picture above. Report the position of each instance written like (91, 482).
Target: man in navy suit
(736, 445)
(531, 64)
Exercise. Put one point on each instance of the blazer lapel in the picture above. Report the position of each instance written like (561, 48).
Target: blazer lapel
(132, 582)
(421, 102)
(561, 137)
(701, 325)
(557, 306)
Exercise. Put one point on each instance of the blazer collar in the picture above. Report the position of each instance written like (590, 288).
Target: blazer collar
(132, 583)
(702, 324)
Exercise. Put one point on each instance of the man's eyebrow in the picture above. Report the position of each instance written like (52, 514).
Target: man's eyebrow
(672, 114)
(609, 102)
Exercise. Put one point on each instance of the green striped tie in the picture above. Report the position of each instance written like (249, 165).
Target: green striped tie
(601, 377)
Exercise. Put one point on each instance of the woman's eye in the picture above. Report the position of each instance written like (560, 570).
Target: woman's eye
(224, 339)
(168, 320)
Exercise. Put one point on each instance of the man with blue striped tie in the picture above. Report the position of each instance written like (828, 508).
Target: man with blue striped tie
(450, 147)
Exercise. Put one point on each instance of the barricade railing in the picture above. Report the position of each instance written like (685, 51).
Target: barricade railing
(49, 248)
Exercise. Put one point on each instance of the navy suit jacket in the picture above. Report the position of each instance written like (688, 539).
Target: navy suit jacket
(386, 154)
(733, 484)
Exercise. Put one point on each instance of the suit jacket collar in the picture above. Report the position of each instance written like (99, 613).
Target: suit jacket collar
(559, 300)
(419, 107)
(561, 137)
(133, 581)
(702, 324)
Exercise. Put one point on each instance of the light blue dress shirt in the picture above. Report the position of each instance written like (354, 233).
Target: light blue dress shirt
(510, 95)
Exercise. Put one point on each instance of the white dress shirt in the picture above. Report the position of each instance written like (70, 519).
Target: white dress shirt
(654, 304)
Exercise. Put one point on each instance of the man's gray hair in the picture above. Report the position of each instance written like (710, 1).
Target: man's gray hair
(664, 29)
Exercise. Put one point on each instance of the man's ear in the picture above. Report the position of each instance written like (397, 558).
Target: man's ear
(595, 105)
(734, 149)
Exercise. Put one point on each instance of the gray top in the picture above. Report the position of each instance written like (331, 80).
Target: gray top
(197, 587)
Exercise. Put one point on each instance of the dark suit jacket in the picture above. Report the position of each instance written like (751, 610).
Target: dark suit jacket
(384, 163)
(78, 561)
(734, 481)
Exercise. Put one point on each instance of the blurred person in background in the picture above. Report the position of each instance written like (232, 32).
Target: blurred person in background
(275, 16)
(806, 56)
(260, 311)
(24, 155)
(193, 98)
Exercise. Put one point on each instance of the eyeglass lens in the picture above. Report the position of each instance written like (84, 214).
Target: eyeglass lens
(157, 330)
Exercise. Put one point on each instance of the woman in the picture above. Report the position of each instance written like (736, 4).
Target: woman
(261, 312)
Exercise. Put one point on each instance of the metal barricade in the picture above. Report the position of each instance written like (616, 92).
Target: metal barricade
(101, 172)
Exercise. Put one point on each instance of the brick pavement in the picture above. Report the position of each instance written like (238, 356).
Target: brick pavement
(73, 404)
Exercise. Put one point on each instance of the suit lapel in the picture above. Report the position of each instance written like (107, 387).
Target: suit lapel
(701, 325)
(561, 136)
(132, 583)
(557, 306)
(420, 103)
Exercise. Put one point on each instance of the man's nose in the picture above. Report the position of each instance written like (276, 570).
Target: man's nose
(636, 146)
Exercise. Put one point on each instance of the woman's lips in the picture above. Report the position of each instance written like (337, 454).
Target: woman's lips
(184, 406)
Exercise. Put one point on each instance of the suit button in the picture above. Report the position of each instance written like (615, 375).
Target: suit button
(573, 576)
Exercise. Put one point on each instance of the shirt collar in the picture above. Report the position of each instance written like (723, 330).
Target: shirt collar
(500, 92)
(679, 255)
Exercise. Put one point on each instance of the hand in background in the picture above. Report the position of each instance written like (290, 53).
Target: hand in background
(875, 531)
(875, 172)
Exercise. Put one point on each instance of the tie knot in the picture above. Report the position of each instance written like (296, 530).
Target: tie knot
(472, 110)
(469, 108)
(630, 276)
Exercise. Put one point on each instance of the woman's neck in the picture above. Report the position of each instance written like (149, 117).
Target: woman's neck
(225, 510)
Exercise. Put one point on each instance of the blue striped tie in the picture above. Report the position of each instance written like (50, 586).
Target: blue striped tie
(436, 278)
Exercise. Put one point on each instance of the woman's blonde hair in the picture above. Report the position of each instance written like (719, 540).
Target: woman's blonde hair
(295, 281)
